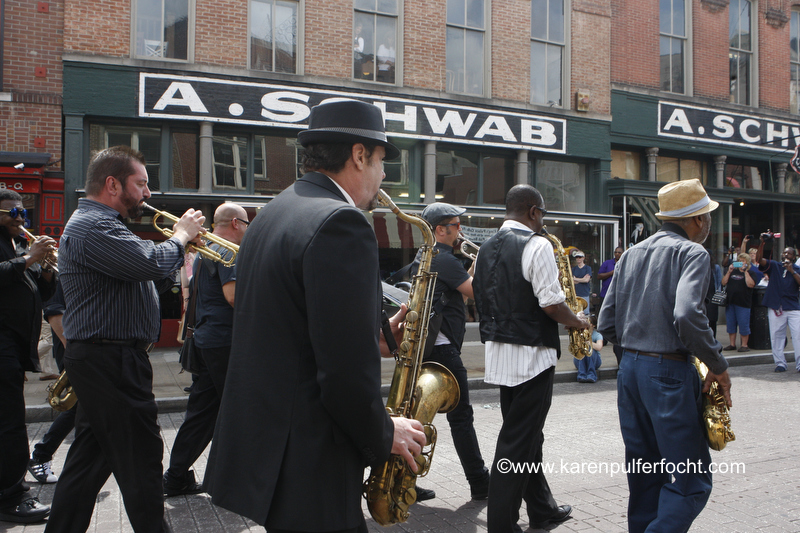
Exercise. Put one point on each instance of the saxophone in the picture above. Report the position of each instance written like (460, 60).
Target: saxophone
(580, 340)
(60, 395)
(716, 419)
(419, 390)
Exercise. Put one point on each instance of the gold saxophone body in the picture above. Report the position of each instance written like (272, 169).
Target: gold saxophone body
(580, 340)
(419, 390)
(60, 395)
(716, 419)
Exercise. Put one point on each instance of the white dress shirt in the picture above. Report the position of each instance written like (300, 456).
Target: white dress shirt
(512, 364)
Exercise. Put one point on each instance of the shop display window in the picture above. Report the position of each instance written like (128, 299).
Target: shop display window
(146, 140)
(626, 165)
(675, 169)
(563, 185)
(466, 177)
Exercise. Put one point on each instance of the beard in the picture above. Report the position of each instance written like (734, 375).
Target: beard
(373, 203)
(132, 205)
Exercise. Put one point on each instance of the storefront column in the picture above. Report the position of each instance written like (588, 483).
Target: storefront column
(719, 167)
(429, 175)
(206, 157)
(780, 170)
(652, 158)
(74, 173)
(522, 167)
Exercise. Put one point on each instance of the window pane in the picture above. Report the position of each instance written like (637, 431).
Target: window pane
(457, 176)
(744, 25)
(667, 169)
(554, 75)
(176, 29)
(690, 169)
(556, 21)
(474, 67)
(625, 165)
(794, 90)
(677, 65)
(539, 19)
(261, 35)
(498, 178)
(456, 12)
(666, 64)
(678, 18)
(794, 41)
(280, 160)
(563, 185)
(455, 60)
(184, 161)
(285, 37)
(364, 61)
(386, 55)
(538, 68)
(148, 28)
(368, 5)
(665, 16)
(387, 6)
(475, 14)
(733, 25)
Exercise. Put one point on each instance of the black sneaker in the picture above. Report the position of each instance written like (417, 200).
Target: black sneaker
(29, 511)
(187, 485)
(424, 494)
(480, 489)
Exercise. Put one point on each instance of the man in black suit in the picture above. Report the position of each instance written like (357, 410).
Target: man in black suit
(301, 412)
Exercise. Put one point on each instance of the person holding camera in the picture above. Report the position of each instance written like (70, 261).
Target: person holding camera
(781, 297)
(739, 283)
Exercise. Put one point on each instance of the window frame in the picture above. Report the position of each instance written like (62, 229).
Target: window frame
(398, 44)
(565, 57)
(687, 48)
(298, 70)
(752, 52)
(190, 34)
(485, 32)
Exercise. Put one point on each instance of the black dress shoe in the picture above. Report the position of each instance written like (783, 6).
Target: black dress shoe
(187, 485)
(561, 516)
(424, 494)
(480, 489)
(29, 511)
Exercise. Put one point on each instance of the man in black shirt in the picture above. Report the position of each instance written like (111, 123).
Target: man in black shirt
(453, 283)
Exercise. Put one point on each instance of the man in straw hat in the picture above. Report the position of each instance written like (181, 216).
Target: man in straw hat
(305, 357)
(654, 310)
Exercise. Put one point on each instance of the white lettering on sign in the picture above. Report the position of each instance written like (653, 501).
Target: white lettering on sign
(783, 134)
(287, 111)
(408, 117)
(451, 119)
(724, 125)
(538, 132)
(15, 186)
(188, 98)
(678, 119)
(496, 126)
(747, 123)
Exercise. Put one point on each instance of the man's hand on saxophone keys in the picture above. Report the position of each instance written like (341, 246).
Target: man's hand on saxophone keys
(409, 439)
(396, 323)
(724, 381)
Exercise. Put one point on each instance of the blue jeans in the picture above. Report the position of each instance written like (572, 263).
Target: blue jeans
(736, 315)
(587, 367)
(660, 408)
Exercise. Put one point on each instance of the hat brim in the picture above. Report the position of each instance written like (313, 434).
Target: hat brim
(712, 205)
(307, 137)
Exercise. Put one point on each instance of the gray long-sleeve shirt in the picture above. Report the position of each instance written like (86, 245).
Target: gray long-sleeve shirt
(656, 299)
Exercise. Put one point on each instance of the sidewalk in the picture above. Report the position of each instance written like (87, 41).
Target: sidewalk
(169, 382)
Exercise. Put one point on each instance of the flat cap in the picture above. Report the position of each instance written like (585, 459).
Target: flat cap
(438, 212)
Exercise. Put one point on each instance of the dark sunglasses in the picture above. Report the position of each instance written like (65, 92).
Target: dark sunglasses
(451, 224)
(16, 212)
(246, 223)
(543, 210)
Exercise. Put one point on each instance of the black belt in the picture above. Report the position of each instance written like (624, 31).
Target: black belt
(138, 344)
(671, 356)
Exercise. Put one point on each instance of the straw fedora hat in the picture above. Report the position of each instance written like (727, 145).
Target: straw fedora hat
(347, 121)
(684, 199)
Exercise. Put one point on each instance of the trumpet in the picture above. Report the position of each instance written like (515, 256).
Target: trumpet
(466, 244)
(203, 250)
(50, 260)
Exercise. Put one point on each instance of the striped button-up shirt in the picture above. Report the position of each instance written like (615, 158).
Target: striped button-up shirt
(108, 274)
(513, 364)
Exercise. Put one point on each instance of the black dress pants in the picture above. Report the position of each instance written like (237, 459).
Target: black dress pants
(116, 431)
(201, 411)
(461, 419)
(13, 433)
(519, 442)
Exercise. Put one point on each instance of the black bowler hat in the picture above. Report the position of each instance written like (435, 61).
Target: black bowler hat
(347, 121)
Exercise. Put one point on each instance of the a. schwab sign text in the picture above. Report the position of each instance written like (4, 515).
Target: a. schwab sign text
(721, 127)
(285, 106)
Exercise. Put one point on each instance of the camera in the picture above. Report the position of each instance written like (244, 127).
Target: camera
(737, 264)
(748, 237)
(768, 236)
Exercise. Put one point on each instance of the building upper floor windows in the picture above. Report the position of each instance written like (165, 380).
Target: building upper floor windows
(794, 60)
(162, 29)
(375, 25)
(673, 45)
(466, 32)
(273, 35)
(741, 51)
(547, 52)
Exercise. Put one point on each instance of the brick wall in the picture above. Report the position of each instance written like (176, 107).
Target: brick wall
(221, 33)
(329, 39)
(711, 43)
(635, 43)
(33, 40)
(424, 48)
(511, 44)
(591, 63)
(773, 64)
(98, 27)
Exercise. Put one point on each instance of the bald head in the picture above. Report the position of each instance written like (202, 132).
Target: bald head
(230, 222)
(227, 212)
(520, 198)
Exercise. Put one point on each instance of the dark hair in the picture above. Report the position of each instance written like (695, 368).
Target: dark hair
(593, 320)
(7, 194)
(330, 157)
(116, 161)
(520, 198)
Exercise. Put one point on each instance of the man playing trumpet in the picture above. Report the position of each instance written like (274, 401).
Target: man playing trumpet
(111, 279)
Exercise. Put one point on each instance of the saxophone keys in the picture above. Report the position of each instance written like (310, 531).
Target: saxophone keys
(412, 316)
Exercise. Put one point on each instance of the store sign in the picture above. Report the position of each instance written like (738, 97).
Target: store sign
(261, 104)
(20, 185)
(713, 126)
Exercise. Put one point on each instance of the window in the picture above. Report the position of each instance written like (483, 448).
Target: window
(563, 185)
(162, 29)
(275, 163)
(625, 165)
(273, 35)
(673, 45)
(375, 40)
(741, 51)
(465, 54)
(146, 140)
(184, 162)
(547, 52)
(469, 177)
(794, 59)
(744, 177)
(230, 162)
(674, 169)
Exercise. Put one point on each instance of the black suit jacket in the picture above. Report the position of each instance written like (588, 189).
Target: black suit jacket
(22, 291)
(301, 412)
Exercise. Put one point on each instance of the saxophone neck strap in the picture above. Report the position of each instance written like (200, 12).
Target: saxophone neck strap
(387, 333)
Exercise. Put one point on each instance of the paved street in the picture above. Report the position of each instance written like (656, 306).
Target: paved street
(582, 428)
